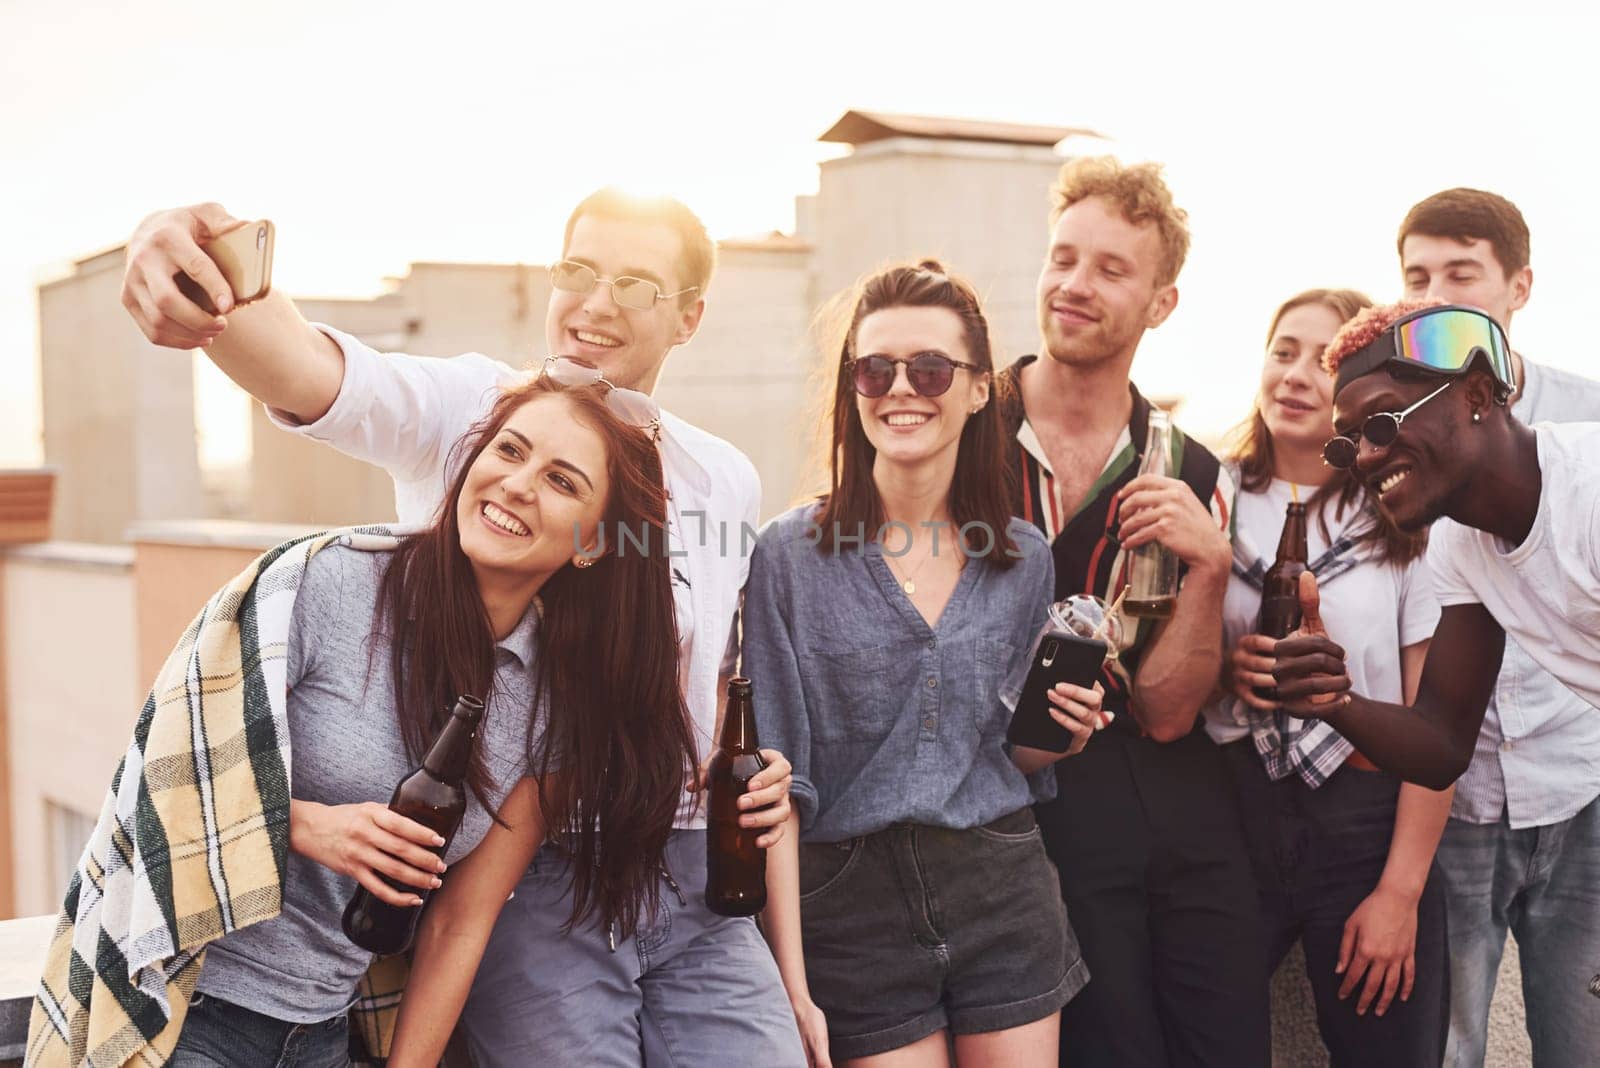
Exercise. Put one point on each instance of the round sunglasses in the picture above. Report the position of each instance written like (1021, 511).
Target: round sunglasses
(1380, 430)
(930, 373)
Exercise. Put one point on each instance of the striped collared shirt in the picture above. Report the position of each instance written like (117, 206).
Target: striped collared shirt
(1088, 556)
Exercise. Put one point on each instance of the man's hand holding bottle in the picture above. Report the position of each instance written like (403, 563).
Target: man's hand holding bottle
(1309, 667)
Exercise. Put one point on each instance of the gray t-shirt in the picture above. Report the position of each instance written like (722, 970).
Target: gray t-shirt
(346, 748)
(1551, 395)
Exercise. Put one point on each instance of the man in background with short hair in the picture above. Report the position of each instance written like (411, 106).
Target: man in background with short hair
(1522, 847)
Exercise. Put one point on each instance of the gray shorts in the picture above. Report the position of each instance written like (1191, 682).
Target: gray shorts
(915, 929)
(689, 988)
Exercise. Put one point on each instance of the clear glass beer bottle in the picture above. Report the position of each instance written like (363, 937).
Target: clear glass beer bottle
(1152, 568)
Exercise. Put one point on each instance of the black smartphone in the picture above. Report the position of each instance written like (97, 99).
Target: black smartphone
(1061, 657)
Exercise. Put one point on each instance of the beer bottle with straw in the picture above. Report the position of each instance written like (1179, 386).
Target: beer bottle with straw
(1280, 589)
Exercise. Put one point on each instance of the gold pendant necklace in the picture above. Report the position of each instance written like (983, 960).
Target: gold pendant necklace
(906, 579)
(905, 583)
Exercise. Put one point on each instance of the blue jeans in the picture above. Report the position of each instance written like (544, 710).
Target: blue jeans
(1543, 883)
(1317, 855)
(689, 988)
(220, 1034)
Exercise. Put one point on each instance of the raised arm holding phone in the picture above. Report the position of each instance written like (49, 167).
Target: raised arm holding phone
(629, 286)
(267, 347)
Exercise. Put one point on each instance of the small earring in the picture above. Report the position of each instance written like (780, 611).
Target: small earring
(1477, 417)
(581, 561)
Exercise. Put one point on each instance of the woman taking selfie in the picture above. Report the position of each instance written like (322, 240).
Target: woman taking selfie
(880, 622)
(1343, 853)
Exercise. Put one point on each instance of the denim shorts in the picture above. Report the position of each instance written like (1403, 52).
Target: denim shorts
(915, 929)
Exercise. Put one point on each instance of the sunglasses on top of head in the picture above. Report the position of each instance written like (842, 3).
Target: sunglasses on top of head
(637, 409)
(930, 373)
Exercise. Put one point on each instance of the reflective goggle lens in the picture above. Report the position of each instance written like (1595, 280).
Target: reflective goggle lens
(1446, 341)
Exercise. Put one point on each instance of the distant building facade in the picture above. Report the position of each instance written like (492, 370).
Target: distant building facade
(118, 412)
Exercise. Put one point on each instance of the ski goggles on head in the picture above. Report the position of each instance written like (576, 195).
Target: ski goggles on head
(1440, 341)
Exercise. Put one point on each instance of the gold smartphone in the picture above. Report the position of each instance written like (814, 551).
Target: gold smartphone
(244, 256)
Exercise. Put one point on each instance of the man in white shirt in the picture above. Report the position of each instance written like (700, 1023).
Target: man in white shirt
(629, 287)
(1524, 830)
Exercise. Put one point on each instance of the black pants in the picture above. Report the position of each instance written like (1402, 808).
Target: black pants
(1317, 855)
(1148, 841)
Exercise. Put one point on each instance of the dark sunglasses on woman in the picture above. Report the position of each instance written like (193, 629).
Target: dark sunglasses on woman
(930, 373)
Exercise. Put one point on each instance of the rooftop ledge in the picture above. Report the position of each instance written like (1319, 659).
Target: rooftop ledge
(73, 554)
(22, 949)
(216, 533)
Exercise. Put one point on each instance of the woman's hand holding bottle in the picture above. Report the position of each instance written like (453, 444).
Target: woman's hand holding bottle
(367, 842)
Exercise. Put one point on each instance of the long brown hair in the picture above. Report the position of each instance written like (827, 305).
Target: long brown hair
(616, 741)
(980, 492)
(1251, 448)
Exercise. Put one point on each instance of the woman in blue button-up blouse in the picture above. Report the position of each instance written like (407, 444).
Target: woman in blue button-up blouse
(879, 624)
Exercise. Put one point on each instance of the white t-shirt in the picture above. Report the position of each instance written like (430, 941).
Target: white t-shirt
(1537, 758)
(1545, 592)
(404, 413)
(1373, 610)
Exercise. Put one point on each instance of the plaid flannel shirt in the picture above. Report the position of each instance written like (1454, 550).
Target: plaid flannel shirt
(1288, 744)
(192, 840)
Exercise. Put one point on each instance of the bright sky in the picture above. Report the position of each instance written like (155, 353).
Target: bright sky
(377, 134)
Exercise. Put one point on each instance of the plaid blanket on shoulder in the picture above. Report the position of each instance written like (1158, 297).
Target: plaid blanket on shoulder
(1289, 745)
(193, 837)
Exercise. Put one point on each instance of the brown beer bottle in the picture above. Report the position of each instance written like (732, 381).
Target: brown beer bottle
(1280, 589)
(736, 870)
(434, 796)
